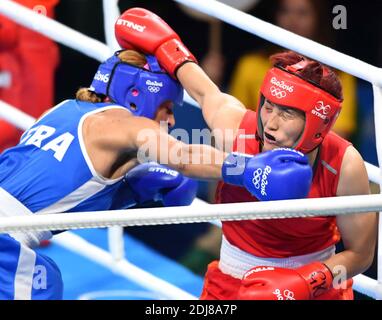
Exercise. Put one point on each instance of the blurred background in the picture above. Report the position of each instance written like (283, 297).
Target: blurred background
(234, 59)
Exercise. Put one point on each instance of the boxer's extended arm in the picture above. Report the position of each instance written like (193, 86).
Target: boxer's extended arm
(192, 160)
(117, 132)
(154, 36)
(358, 231)
(264, 175)
(221, 111)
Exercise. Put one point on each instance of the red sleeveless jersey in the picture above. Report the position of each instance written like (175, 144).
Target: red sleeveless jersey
(280, 238)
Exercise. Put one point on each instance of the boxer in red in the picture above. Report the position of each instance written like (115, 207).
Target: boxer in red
(300, 101)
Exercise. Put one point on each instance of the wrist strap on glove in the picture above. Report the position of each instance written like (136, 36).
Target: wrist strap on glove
(318, 277)
(172, 55)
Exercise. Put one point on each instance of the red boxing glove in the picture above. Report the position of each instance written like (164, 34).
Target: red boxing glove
(273, 283)
(142, 30)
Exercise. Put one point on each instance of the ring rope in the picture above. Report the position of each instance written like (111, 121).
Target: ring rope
(287, 39)
(55, 30)
(173, 215)
(15, 116)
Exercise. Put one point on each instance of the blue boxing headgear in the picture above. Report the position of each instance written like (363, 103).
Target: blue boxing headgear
(139, 90)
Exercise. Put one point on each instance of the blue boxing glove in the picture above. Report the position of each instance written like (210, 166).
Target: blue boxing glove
(279, 174)
(154, 182)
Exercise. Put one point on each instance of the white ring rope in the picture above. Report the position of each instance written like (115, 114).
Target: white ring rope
(373, 173)
(377, 93)
(124, 268)
(55, 30)
(110, 15)
(172, 215)
(287, 39)
(366, 286)
(15, 116)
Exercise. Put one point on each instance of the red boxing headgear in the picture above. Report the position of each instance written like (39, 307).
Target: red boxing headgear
(284, 87)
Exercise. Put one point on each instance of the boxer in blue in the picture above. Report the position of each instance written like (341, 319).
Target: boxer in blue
(82, 155)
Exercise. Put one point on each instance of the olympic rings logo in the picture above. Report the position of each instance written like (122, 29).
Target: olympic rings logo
(289, 295)
(286, 295)
(153, 89)
(325, 109)
(260, 179)
(257, 177)
(276, 92)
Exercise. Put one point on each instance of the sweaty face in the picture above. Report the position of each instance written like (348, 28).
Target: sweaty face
(165, 114)
(297, 16)
(282, 126)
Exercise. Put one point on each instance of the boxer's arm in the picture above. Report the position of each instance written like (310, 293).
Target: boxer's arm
(192, 160)
(221, 111)
(117, 132)
(358, 231)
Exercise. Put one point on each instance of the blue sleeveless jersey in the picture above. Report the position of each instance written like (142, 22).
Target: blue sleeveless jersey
(49, 171)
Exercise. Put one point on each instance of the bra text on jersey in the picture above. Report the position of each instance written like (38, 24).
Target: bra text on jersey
(37, 136)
